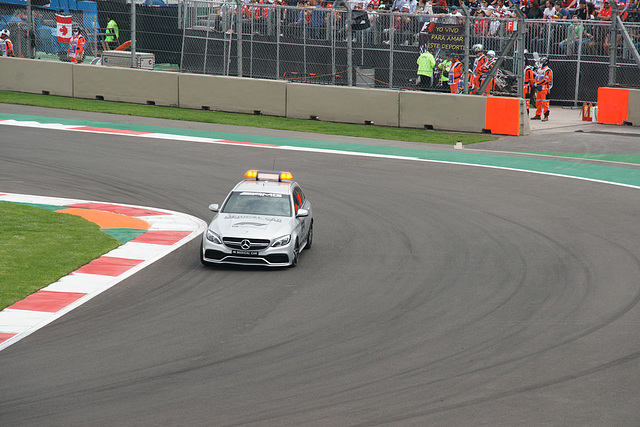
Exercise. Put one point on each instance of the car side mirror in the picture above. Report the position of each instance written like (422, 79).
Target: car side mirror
(302, 213)
(214, 207)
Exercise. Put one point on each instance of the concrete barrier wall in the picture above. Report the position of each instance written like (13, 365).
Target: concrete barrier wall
(233, 94)
(442, 111)
(342, 104)
(411, 109)
(36, 76)
(634, 107)
(125, 85)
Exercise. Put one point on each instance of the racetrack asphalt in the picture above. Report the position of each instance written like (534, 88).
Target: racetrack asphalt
(435, 294)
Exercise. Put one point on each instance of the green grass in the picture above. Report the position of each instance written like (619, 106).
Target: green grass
(267, 122)
(38, 247)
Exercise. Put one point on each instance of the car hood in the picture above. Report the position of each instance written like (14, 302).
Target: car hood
(257, 226)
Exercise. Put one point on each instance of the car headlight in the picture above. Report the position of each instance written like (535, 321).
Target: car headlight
(213, 237)
(281, 241)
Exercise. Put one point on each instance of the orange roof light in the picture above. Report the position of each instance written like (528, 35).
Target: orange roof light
(286, 176)
(268, 175)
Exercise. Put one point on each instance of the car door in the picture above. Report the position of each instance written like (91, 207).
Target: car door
(300, 202)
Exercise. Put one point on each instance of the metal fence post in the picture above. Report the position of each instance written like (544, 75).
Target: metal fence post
(392, 37)
(349, 45)
(278, 34)
(239, 33)
(575, 95)
(30, 33)
(333, 48)
(133, 34)
(183, 9)
(206, 42)
(467, 37)
(613, 44)
(520, 53)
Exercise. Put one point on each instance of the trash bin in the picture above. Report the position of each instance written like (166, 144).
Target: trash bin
(365, 77)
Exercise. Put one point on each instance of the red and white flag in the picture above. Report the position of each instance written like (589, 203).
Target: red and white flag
(64, 28)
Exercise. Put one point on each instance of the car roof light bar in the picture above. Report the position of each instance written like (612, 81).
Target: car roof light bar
(268, 175)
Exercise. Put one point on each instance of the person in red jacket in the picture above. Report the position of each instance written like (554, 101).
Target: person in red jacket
(6, 46)
(484, 70)
(478, 63)
(76, 46)
(529, 83)
(543, 84)
(455, 74)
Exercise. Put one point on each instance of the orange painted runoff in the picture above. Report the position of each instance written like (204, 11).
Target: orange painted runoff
(108, 219)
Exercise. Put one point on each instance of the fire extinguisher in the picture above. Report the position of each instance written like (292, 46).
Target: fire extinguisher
(587, 110)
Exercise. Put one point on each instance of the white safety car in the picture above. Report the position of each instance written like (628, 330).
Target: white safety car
(265, 220)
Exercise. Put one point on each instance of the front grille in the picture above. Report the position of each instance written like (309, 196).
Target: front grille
(277, 258)
(243, 260)
(272, 259)
(236, 243)
(211, 254)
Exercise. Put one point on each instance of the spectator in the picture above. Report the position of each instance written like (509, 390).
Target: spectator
(372, 16)
(6, 46)
(426, 63)
(316, 19)
(534, 11)
(398, 4)
(606, 12)
(112, 33)
(550, 10)
(456, 16)
(408, 26)
(439, 6)
(423, 10)
(501, 10)
(576, 36)
(581, 11)
(560, 12)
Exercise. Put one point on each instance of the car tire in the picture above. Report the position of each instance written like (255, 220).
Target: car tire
(309, 237)
(296, 255)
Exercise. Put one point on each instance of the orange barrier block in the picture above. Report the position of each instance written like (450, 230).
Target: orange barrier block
(503, 115)
(613, 105)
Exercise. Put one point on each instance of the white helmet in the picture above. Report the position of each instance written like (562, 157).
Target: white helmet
(5, 32)
(491, 54)
(477, 48)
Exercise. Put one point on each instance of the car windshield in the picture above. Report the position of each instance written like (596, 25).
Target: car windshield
(246, 202)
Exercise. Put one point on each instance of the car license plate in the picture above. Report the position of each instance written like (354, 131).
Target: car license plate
(245, 252)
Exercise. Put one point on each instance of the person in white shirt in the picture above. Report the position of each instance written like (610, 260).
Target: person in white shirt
(550, 10)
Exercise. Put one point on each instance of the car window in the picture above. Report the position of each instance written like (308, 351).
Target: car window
(247, 202)
(298, 198)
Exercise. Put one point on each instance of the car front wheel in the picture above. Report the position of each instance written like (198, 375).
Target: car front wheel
(296, 255)
(309, 237)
